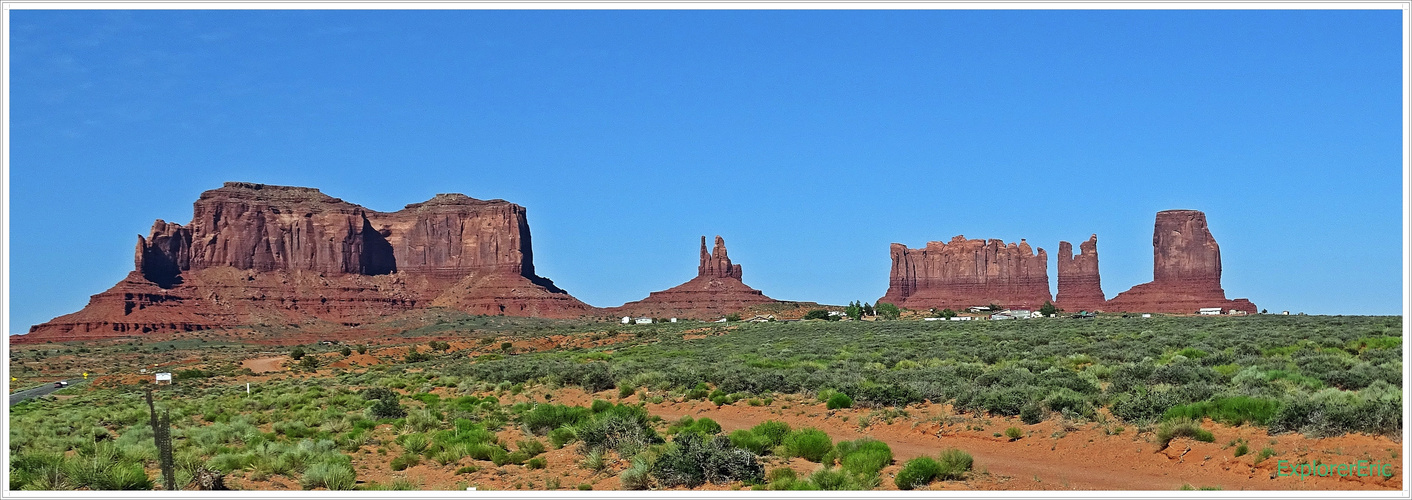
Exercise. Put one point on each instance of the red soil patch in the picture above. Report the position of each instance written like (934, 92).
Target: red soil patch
(265, 365)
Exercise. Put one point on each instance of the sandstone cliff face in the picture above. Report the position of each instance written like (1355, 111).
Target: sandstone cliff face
(965, 273)
(255, 253)
(281, 228)
(1186, 270)
(716, 291)
(1080, 288)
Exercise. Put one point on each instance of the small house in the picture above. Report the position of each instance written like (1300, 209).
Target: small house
(643, 320)
(1209, 311)
(627, 319)
(1146, 315)
(674, 320)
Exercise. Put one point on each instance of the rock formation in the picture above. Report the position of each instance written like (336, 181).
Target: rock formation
(1186, 270)
(965, 273)
(716, 291)
(1080, 288)
(260, 254)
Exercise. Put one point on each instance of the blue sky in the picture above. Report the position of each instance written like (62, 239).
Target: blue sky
(810, 140)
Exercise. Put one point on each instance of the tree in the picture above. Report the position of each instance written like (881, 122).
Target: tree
(733, 317)
(362, 348)
(889, 311)
(310, 363)
(995, 307)
(1048, 309)
(854, 310)
(947, 313)
(297, 353)
(345, 351)
(817, 314)
(1264, 311)
(868, 309)
(439, 346)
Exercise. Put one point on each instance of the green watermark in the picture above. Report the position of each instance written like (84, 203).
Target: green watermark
(1361, 468)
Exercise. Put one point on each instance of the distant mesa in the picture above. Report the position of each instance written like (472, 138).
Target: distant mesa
(965, 273)
(1080, 288)
(716, 291)
(263, 254)
(1186, 270)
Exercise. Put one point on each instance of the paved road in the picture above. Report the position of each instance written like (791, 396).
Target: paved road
(34, 392)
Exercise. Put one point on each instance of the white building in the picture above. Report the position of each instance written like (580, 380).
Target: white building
(674, 320)
(627, 319)
(960, 318)
(643, 321)
(1209, 311)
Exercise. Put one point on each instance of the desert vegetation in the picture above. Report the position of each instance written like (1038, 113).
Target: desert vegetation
(466, 408)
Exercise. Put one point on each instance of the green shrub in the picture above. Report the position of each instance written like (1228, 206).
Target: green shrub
(469, 469)
(748, 440)
(840, 400)
(561, 436)
(831, 479)
(483, 451)
(1014, 433)
(772, 430)
(537, 463)
(810, 443)
(638, 476)
(865, 456)
(692, 460)
(954, 464)
(404, 461)
(917, 472)
(1238, 410)
(330, 475)
(531, 447)
(414, 443)
(704, 426)
(544, 418)
(1181, 428)
(626, 429)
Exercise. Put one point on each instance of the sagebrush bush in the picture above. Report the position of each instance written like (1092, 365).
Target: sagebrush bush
(839, 400)
(691, 460)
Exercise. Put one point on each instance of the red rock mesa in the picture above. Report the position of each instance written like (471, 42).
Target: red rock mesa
(1080, 288)
(261, 254)
(965, 273)
(1186, 270)
(715, 291)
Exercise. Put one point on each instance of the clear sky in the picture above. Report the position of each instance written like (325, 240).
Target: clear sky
(809, 140)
